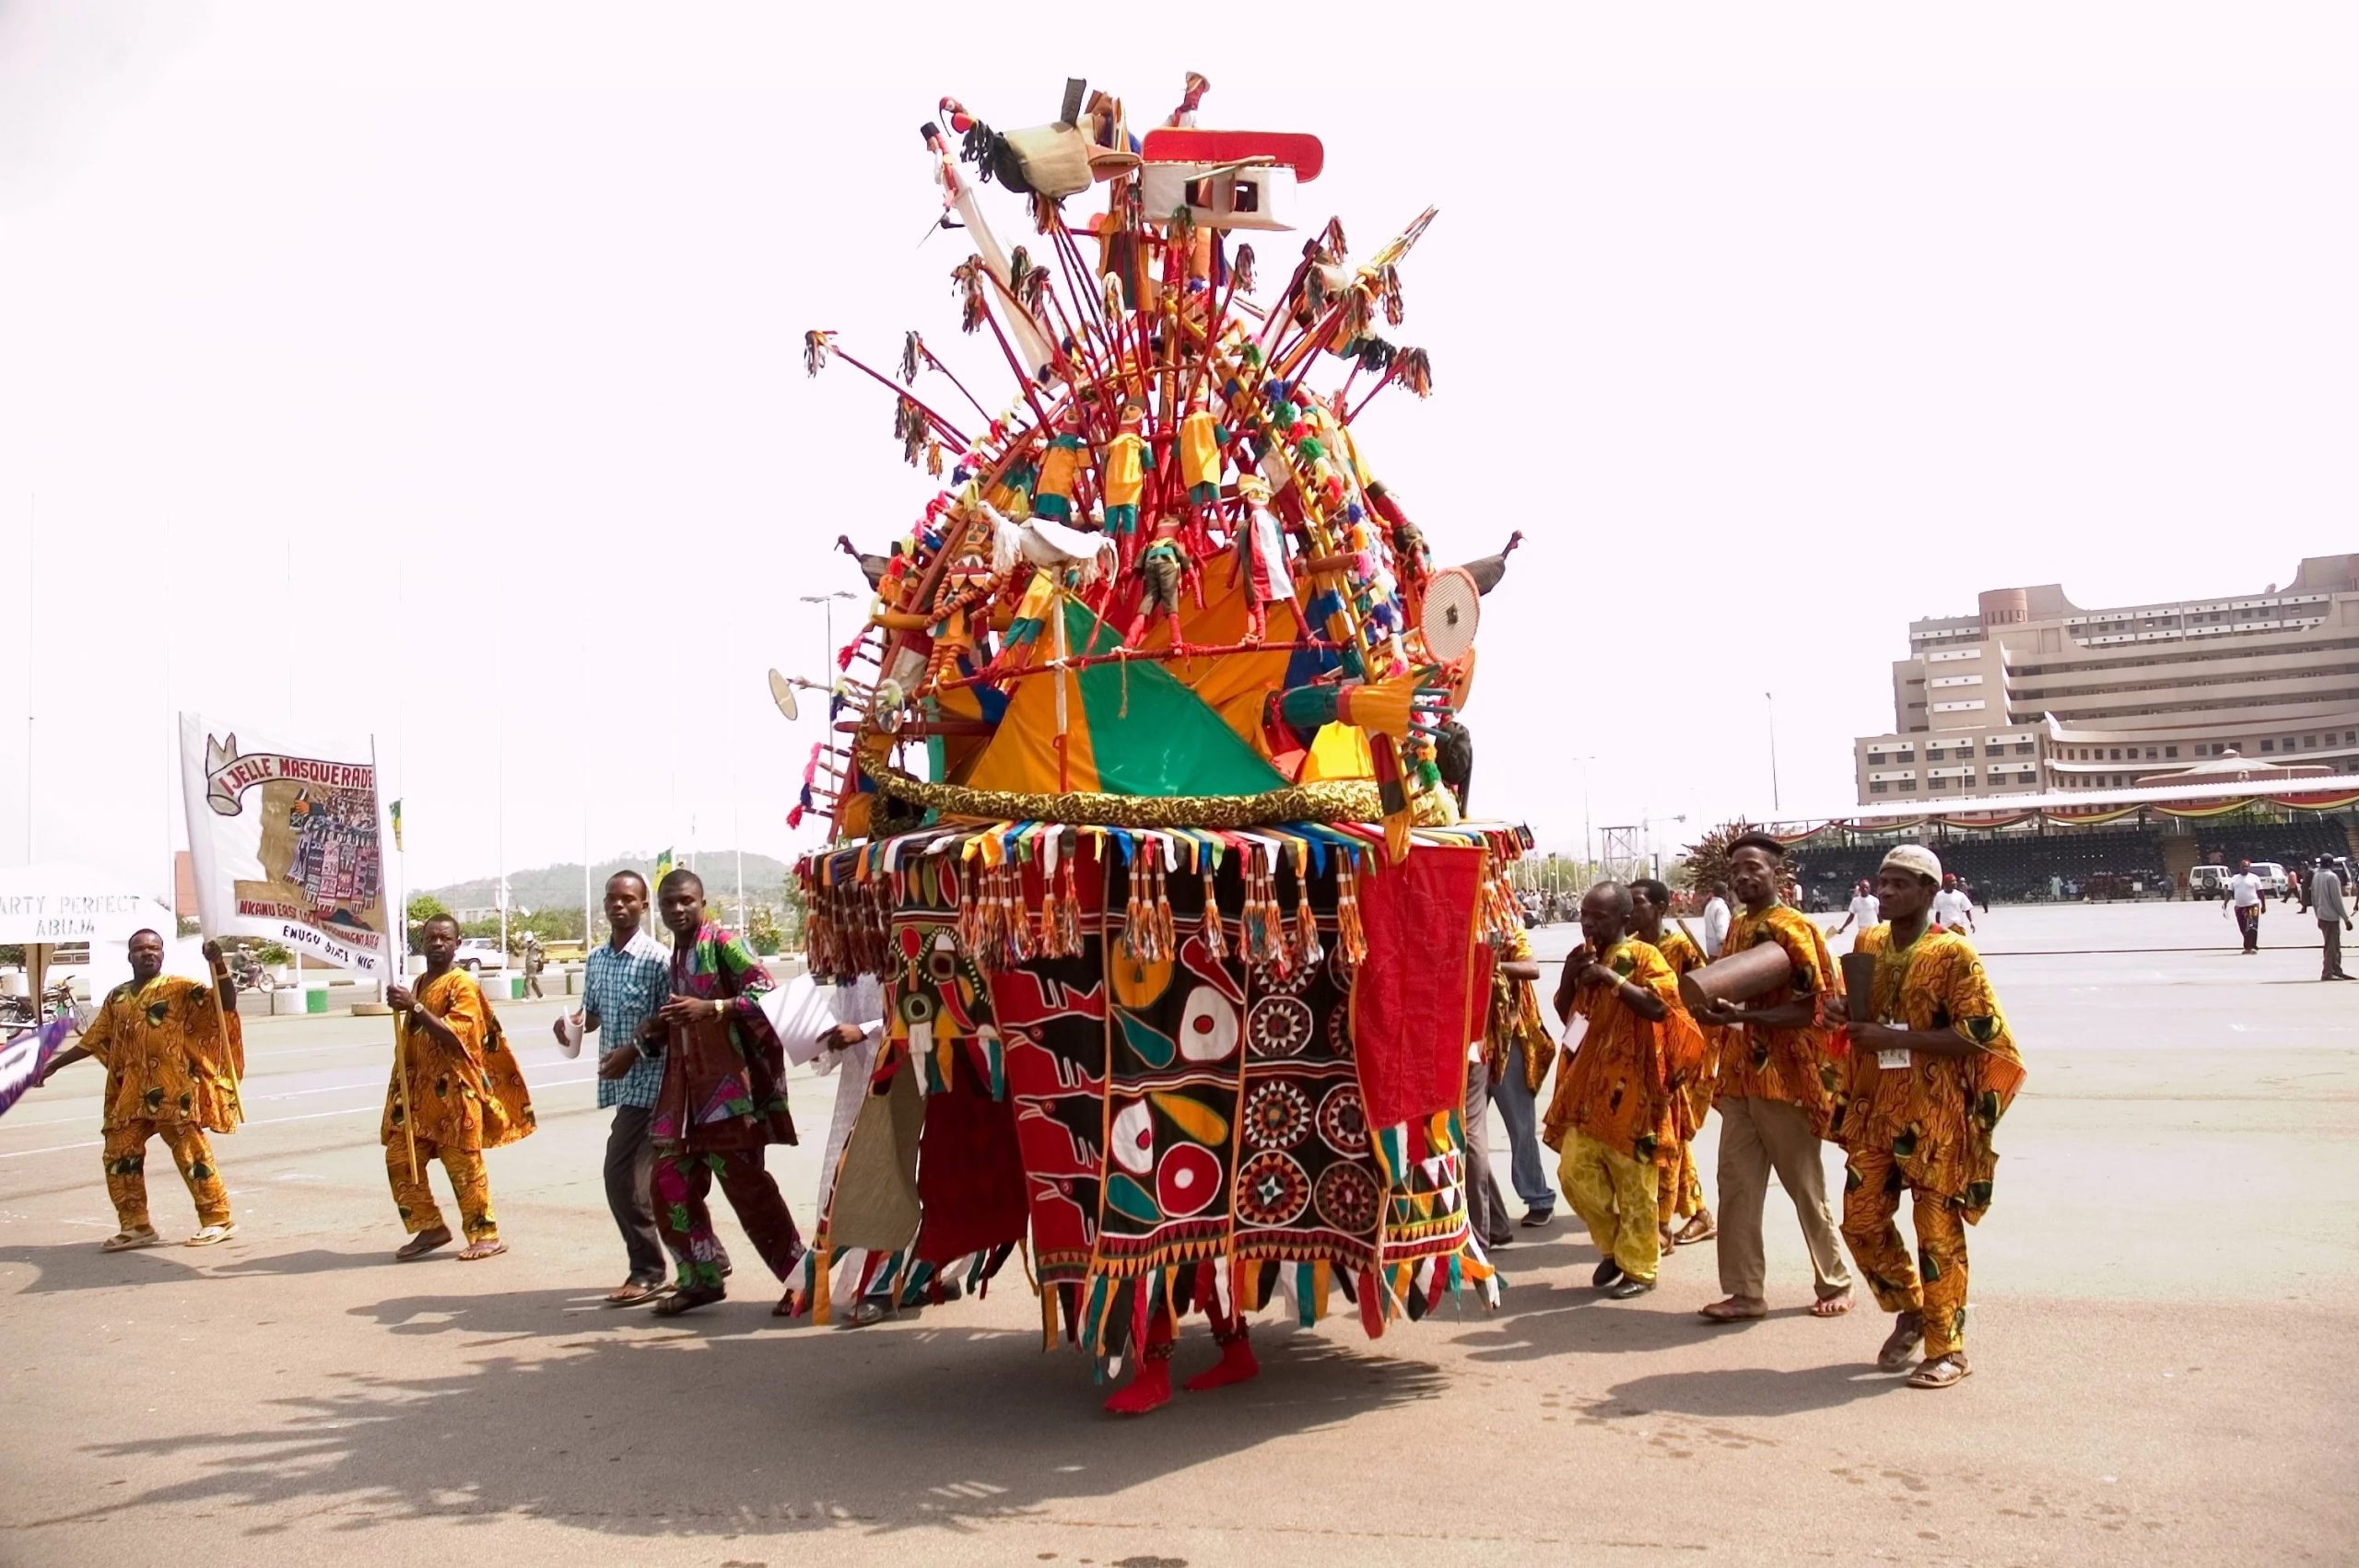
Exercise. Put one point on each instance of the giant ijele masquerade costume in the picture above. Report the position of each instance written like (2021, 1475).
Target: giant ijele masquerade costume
(1178, 990)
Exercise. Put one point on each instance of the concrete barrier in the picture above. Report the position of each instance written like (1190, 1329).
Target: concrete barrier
(285, 1002)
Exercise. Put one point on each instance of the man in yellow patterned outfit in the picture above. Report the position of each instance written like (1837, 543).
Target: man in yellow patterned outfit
(1682, 1198)
(456, 1091)
(172, 1051)
(1775, 1093)
(1929, 1075)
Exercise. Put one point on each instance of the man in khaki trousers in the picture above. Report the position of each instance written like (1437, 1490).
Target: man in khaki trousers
(1772, 1099)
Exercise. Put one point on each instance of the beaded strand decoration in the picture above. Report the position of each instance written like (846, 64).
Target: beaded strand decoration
(1351, 937)
(1215, 939)
(1307, 950)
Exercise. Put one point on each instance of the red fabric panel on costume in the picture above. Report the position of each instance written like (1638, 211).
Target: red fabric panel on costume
(971, 1176)
(1410, 999)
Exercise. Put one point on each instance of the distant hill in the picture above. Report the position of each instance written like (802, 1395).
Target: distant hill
(560, 886)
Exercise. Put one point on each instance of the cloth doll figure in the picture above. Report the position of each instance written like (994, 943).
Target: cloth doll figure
(1163, 569)
(1202, 438)
(1128, 457)
(1060, 467)
(1261, 552)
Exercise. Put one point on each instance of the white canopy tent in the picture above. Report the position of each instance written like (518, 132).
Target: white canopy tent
(50, 902)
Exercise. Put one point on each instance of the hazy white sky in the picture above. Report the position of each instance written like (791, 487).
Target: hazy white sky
(1771, 328)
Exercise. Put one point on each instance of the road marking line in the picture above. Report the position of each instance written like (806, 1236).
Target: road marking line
(270, 1121)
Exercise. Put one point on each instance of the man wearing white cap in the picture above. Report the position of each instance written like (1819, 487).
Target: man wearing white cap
(1930, 1070)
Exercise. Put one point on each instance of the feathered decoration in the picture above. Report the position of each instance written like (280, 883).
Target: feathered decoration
(1388, 289)
(911, 346)
(1034, 295)
(1376, 354)
(967, 281)
(1414, 369)
(1242, 272)
(1046, 215)
(1331, 239)
(1359, 313)
(934, 459)
(815, 348)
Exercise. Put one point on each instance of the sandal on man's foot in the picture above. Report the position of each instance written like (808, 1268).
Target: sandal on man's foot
(213, 1234)
(421, 1244)
(1835, 1306)
(638, 1292)
(683, 1301)
(125, 1241)
(1908, 1333)
(1702, 1227)
(476, 1251)
(1942, 1372)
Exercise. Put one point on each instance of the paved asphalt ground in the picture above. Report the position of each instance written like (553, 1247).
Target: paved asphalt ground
(2163, 1316)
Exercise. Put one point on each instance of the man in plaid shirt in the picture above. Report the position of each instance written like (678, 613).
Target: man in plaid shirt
(629, 977)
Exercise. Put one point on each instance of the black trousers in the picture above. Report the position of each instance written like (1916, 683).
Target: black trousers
(630, 1164)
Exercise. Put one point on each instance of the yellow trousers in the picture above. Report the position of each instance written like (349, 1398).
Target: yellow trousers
(1683, 1191)
(125, 1156)
(414, 1198)
(1615, 1196)
(1935, 1285)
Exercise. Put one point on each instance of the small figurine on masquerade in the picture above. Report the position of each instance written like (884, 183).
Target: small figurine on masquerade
(1128, 457)
(1032, 613)
(1431, 803)
(1262, 556)
(1202, 438)
(1163, 570)
(1060, 467)
(962, 603)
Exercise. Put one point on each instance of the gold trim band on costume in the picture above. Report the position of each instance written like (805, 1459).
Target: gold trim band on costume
(1328, 801)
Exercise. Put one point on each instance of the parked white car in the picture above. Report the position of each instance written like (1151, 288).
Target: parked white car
(477, 953)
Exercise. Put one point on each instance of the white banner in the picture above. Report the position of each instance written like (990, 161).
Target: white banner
(288, 843)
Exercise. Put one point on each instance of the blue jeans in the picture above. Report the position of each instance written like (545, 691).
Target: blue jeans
(1519, 1108)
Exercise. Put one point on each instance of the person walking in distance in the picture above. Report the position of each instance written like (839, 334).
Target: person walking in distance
(2244, 900)
(1863, 912)
(2330, 903)
(1953, 910)
(1716, 920)
(1773, 1099)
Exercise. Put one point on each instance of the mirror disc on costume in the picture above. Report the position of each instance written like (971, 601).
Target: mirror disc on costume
(1208, 1027)
(782, 695)
(1188, 1180)
(1453, 612)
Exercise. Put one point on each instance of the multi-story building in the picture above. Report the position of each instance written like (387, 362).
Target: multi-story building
(2034, 695)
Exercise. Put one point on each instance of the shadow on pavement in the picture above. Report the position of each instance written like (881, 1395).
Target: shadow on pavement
(1751, 1390)
(724, 1425)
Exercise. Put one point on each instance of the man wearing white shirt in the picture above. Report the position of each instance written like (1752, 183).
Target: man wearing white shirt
(1953, 910)
(1716, 920)
(2244, 896)
(850, 1055)
(1865, 912)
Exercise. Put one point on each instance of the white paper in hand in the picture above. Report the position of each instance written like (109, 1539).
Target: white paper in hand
(802, 1011)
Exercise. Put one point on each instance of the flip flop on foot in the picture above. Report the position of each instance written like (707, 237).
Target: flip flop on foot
(1908, 1333)
(1831, 1306)
(1735, 1309)
(476, 1251)
(1942, 1372)
(125, 1241)
(421, 1244)
(1689, 1233)
(636, 1293)
(211, 1235)
(683, 1301)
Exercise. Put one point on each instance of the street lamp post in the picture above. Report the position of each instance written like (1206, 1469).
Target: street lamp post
(1588, 845)
(1775, 804)
(826, 602)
